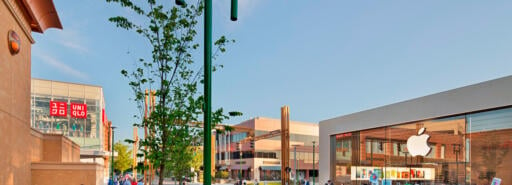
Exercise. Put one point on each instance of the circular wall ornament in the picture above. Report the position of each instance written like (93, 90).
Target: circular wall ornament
(14, 42)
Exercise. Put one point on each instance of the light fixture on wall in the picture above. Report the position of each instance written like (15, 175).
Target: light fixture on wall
(14, 42)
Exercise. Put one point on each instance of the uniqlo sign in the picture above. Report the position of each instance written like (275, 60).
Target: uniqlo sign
(78, 110)
(58, 108)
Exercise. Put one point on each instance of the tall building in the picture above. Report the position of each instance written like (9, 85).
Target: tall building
(460, 136)
(76, 111)
(261, 159)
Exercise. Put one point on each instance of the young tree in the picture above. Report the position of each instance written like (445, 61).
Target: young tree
(124, 159)
(197, 160)
(172, 72)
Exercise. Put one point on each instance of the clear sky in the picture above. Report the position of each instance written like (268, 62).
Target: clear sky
(323, 58)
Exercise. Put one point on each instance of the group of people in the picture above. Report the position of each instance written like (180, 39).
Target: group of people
(126, 180)
(329, 182)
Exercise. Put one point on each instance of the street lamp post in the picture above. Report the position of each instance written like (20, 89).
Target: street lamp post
(456, 151)
(295, 158)
(314, 173)
(240, 163)
(208, 81)
(112, 155)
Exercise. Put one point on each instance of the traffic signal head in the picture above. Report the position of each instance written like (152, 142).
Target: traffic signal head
(180, 2)
(234, 10)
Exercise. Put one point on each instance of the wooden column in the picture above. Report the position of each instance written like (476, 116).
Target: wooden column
(285, 144)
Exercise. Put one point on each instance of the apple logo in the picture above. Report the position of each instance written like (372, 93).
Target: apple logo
(417, 145)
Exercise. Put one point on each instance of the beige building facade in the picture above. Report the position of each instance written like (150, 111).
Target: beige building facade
(261, 159)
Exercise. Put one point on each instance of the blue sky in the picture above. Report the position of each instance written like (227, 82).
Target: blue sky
(323, 58)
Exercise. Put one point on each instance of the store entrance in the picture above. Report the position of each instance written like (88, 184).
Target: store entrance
(423, 153)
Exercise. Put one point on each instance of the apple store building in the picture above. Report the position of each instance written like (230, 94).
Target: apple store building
(460, 136)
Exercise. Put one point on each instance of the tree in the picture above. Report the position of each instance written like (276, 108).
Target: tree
(197, 160)
(124, 159)
(172, 72)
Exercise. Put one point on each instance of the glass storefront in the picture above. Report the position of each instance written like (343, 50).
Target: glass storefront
(84, 131)
(466, 149)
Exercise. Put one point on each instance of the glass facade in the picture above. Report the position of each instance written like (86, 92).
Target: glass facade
(87, 132)
(465, 149)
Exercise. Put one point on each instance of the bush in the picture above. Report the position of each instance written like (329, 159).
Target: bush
(274, 183)
(222, 175)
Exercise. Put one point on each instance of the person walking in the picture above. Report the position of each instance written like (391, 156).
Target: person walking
(126, 180)
(133, 181)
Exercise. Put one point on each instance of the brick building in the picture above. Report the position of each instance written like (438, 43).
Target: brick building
(27, 155)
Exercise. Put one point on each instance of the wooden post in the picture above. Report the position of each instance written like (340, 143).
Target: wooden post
(285, 144)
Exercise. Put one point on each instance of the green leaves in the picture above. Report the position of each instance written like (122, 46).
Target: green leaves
(235, 113)
(172, 72)
(128, 4)
(123, 161)
(122, 22)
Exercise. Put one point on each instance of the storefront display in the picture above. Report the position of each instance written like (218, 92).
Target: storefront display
(392, 173)
(464, 149)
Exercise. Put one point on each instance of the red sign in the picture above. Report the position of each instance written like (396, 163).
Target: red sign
(58, 108)
(78, 110)
(343, 135)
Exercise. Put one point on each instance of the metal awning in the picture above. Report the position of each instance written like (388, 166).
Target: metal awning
(272, 168)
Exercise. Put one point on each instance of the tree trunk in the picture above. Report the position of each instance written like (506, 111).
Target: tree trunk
(161, 177)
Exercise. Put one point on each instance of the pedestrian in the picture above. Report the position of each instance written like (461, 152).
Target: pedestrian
(126, 180)
(134, 181)
(116, 180)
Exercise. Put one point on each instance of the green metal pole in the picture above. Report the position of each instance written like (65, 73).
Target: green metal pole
(207, 91)
(314, 163)
(234, 10)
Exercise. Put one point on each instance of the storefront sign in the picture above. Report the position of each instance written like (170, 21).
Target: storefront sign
(392, 173)
(78, 110)
(14, 42)
(58, 108)
(417, 145)
(343, 135)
